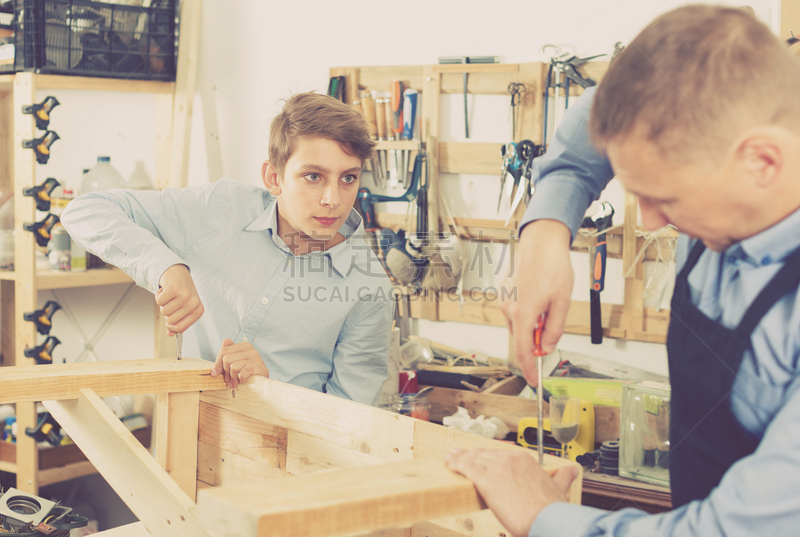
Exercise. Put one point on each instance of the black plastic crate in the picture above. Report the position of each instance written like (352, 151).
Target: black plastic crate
(79, 37)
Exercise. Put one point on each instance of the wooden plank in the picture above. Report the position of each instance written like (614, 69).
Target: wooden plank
(8, 350)
(6, 140)
(406, 145)
(89, 278)
(176, 437)
(307, 454)
(469, 157)
(127, 377)
(163, 125)
(332, 503)
(478, 524)
(135, 529)
(89, 83)
(380, 77)
(531, 114)
(432, 440)
(632, 271)
(510, 386)
(185, 83)
(243, 436)
(341, 422)
(220, 467)
(65, 473)
(128, 467)
(495, 68)
(790, 19)
(25, 290)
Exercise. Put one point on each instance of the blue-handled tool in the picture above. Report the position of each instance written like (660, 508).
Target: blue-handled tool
(367, 198)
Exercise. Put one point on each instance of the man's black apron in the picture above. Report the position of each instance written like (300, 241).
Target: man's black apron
(704, 358)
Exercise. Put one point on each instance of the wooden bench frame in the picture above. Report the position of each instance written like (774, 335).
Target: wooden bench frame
(268, 458)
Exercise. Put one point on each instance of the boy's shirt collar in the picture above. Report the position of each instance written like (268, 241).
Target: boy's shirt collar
(343, 256)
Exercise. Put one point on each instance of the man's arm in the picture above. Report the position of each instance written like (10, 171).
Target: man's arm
(569, 177)
(361, 355)
(757, 495)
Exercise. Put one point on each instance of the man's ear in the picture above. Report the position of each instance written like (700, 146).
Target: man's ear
(270, 177)
(761, 159)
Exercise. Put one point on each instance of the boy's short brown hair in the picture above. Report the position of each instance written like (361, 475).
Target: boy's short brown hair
(694, 80)
(314, 115)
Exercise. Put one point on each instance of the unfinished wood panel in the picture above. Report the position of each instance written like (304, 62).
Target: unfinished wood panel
(163, 114)
(8, 349)
(790, 19)
(332, 503)
(176, 438)
(359, 427)
(64, 473)
(477, 524)
(25, 290)
(135, 529)
(531, 113)
(380, 77)
(243, 435)
(91, 83)
(510, 386)
(185, 83)
(218, 467)
(472, 68)
(632, 271)
(470, 157)
(145, 487)
(131, 377)
(6, 141)
(306, 454)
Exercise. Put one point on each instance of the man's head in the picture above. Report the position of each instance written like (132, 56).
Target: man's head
(317, 147)
(700, 117)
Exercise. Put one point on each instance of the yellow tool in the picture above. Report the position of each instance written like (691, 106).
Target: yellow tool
(528, 432)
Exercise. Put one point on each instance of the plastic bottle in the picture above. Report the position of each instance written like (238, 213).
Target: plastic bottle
(102, 177)
(139, 180)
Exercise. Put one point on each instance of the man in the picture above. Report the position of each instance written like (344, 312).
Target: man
(700, 118)
(282, 283)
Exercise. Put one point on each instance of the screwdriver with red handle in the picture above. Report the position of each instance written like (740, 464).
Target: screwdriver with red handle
(538, 351)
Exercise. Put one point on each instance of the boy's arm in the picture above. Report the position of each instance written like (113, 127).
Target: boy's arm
(143, 233)
(361, 356)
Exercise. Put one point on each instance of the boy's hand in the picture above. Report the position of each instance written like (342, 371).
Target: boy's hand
(238, 362)
(512, 484)
(178, 300)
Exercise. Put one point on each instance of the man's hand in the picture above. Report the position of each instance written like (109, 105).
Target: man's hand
(543, 279)
(238, 362)
(512, 484)
(178, 300)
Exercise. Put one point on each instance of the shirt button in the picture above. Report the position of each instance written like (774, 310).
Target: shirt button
(767, 260)
(244, 340)
(265, 301)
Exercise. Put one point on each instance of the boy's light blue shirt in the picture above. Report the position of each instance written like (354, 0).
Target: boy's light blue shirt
(758, 495)
(321, 320)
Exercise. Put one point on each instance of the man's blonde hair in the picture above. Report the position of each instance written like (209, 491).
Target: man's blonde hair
(314, 115)
(694, 80)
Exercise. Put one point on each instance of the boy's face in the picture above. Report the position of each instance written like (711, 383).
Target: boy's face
(317, 190)
(703, 202)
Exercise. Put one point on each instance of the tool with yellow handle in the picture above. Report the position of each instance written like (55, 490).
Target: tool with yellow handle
(41, 111)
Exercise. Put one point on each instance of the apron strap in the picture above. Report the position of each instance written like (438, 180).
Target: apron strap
(784, 281)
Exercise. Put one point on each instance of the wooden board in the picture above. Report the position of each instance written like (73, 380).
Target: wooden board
(128, 467)
(333, 503)
(351, 425)
(176, 438)
(64, 381)
(470, 157)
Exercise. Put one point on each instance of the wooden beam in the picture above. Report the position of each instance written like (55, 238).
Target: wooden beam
(185, 84)
(348, 424)
(176, 437)
(129, 377)
(135, 529)
(470, 157)
(790, 19)
(128, 467)
(90, 83)
(338, 502)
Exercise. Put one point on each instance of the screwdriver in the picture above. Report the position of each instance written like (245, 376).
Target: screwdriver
(539, 353)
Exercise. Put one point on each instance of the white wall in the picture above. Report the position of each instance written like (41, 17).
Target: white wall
(254, 53)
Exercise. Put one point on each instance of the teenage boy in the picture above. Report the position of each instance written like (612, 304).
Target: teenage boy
(700, 118)
(278, 283)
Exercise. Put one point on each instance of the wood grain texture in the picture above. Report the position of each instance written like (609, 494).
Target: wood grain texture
(129, 377)
(135, 529)
(332, 503)
(176, 438)
(128, 467)
(470, 157)
(348, 424)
